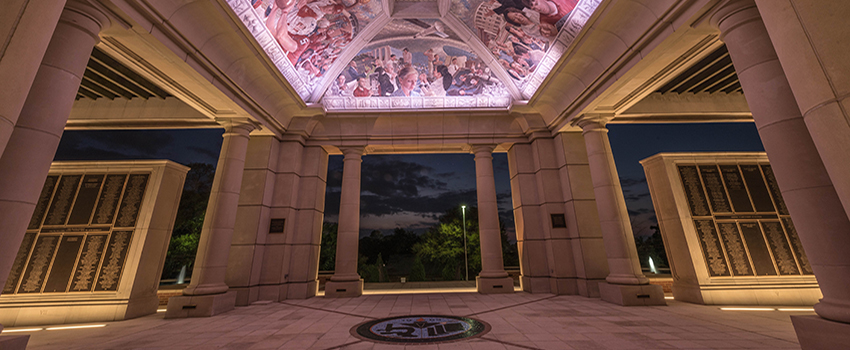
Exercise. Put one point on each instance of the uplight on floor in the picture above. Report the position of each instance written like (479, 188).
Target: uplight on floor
(56, 328)
(797, 309)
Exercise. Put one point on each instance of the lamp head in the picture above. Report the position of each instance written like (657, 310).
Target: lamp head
(463, 207)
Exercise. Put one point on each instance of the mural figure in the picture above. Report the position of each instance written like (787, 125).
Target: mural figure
(517, 32)
(313, 33)
(411, 61)
(408, 77)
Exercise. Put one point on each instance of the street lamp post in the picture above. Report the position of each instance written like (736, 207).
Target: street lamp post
(465, 261)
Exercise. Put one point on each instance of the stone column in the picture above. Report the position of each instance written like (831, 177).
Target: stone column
(819, 217)
(493, 278)
(33, 142)
(626, 284)
(346, 282)
(25, 30)
(810, 42)
(207, 294)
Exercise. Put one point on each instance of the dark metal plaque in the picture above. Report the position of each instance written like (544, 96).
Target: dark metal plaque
(43, 200)
(714, 186)
(113, 264)
(746, 217)
(758, 189)
(108, 200)
(18, 264)
(132, 200)
(797, 246)
(62, 200)
(38, 264)
(758, 249)
(778, 244)
(76, 229)
(774, 189)
(714, 259)
(86, 197)
(277, 225)
(735, 249)
(737, 191)
(558, 221)
(63, 264)
(420, 329)
(693, 190)
(87, 265)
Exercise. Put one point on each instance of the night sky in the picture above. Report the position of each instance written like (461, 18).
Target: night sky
(411, 191)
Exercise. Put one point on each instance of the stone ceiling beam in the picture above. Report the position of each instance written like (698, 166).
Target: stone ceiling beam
(598, 74)
(688, 108)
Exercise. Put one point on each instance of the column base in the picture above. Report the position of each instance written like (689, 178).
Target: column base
(14, 342)
(344, 289)
(304, 290)
(534, 284)
(499, 285)
(632, 294)
(815, 333)
(200, 305)
(589, 287)
(246, 295)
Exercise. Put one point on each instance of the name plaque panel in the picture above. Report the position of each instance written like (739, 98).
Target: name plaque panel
(728, 234)
(68, 250)
(95, 245)
(745, 233)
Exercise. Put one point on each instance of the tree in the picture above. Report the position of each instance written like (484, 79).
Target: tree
(442, 245)
(327, 253)
(417, 272)
(189, 220)
(651, 247)
(381, 269)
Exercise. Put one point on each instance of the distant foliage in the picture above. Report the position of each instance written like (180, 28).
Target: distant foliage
(652, 246)
(189, 221)
(327, 254)
(417, 271)
(434, 255)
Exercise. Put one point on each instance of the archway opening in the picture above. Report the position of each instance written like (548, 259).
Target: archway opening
(412, 211)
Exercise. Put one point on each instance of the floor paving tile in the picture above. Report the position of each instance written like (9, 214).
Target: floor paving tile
(518, 321)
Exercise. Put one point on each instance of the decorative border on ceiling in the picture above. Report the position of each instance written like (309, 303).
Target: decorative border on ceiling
(575, 22)
(376, 103)
(275, 53)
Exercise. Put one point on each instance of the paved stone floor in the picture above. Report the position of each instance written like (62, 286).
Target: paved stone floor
(519, 321)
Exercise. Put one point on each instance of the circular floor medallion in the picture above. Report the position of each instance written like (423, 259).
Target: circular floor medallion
(420, 329)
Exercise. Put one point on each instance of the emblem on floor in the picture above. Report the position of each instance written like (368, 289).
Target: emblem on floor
(420, 329)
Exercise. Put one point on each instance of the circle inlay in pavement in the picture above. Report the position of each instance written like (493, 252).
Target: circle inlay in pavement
(420, 329)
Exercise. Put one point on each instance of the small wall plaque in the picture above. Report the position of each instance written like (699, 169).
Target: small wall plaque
(559, 221)
(277, 225)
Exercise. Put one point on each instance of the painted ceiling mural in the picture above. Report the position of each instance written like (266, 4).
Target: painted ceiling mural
(354, 55)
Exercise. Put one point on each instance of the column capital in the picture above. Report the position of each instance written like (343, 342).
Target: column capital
(352, 152)
(732, 13)
(483, 149)
(593, 122)
(241, 126)
(86, 16)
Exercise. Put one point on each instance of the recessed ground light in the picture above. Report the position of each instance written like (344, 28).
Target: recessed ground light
(797, 309)
(161, 310)
(22, 330)
(75, 327)
(747, 309)
(669, 298)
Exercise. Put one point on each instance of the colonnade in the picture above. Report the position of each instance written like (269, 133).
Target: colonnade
(801, 118)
